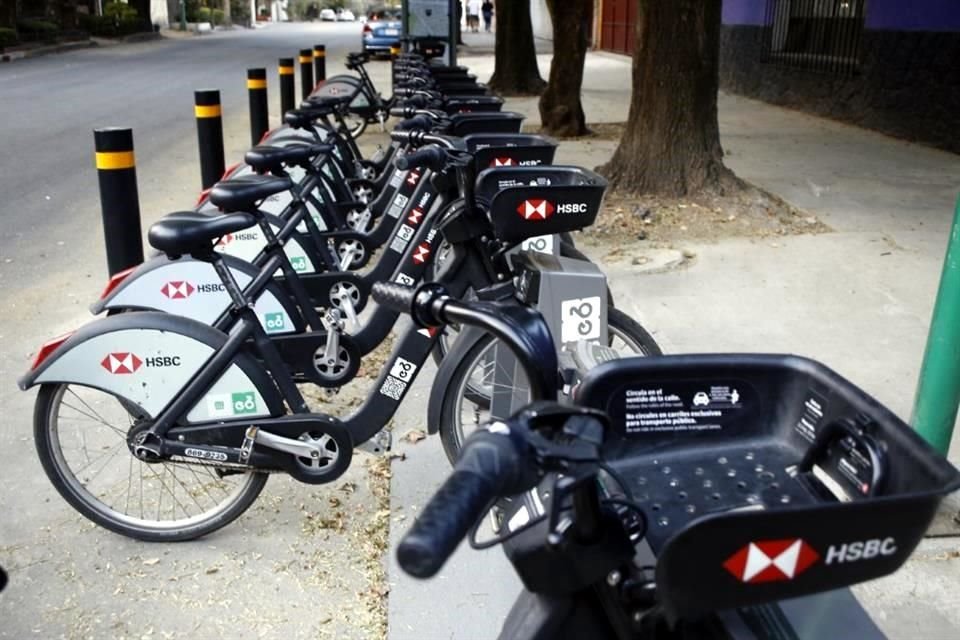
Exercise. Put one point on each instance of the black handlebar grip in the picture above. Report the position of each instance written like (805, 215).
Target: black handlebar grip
(431, 157)
(491, 464)
(444, 522)
(396, 297)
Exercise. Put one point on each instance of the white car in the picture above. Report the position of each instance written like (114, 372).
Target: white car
(701, 399)
(327, 15)
(345, 15)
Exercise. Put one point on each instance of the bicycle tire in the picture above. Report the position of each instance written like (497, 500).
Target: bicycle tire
(460, 385)
(70, 483)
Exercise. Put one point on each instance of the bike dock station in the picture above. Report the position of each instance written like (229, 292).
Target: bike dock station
(308, 252)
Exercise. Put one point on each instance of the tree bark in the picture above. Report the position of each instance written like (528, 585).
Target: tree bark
(671, 145)
(515, 69)
(561, 111)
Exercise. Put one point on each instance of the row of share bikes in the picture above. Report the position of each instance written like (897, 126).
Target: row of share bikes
(635, 496)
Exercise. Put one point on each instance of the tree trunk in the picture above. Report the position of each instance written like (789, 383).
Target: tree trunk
(226, 12)
(515, 69)
(671, 144)
(561, 111)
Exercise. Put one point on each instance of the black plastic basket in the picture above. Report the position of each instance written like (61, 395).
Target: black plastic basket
(463, 124)
(472, 104)
(510, 150)
(764, 477)
(524, 202)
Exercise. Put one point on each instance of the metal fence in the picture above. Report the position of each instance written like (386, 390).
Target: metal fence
(819, 35)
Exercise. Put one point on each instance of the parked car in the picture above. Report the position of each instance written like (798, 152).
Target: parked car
(345, 15)
(381, 31)
(328, 15)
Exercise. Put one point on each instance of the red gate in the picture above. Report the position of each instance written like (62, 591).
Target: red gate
(617, 25)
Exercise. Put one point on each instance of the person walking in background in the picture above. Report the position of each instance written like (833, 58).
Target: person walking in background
(473, 15)
(487, 10)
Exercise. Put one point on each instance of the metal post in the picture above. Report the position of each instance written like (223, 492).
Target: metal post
(319, 63)
(259, 115)
(306, 72)
(938, 390)
(209, 135)
(287, 82)
(119, 200)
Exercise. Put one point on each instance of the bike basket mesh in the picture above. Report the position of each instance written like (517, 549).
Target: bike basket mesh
(524, 202)
(763, 477)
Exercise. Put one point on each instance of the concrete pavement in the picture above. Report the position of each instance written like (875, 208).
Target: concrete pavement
(858, 299)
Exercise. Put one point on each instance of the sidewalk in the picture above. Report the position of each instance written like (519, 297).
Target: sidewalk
(859, 299)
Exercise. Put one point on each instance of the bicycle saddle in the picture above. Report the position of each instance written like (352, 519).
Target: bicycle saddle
(325, 101)
(186, 232)
(268, 158)
(245, 192)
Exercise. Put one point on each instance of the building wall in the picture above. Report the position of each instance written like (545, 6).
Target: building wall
(907, 84)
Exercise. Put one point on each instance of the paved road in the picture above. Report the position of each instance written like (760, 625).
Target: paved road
(70, 579)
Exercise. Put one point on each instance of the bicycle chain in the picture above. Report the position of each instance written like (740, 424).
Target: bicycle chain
(235, 466)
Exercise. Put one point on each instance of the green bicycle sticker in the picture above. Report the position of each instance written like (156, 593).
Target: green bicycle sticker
(274, 322)
(299, 263)
(244, 403)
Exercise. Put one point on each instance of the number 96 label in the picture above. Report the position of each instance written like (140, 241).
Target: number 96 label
(580, 319)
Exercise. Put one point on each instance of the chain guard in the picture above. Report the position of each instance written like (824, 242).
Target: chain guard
(299, 352)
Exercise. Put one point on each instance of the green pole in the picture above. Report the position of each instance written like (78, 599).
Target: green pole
(183, 15)
(938, 390)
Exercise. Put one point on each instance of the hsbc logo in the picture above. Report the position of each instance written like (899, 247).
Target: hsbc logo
(503, 162)
(771, 560)
(415, 216)
(535, 209)
(572, 207)
(413, 177)
(230, 237)
(177, 290)
(121, 363)
(126, 362)
(421, 253)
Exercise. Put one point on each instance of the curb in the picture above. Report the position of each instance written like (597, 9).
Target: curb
(42, 51)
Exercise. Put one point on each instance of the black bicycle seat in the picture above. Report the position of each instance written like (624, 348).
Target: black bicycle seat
(304, 118)
(243, 193)
(186, 232)
(264, 158)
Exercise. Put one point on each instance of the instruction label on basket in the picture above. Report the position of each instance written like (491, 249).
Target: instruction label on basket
(687, 406)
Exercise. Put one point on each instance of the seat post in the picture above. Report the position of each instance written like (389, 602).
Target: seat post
(229, 282)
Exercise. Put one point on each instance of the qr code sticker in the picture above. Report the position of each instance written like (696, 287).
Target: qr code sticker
(396, 179)
(398, 244)
(398, 204)
(393, 388)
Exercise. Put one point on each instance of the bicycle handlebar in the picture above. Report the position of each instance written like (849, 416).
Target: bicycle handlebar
(431, 157)
(421, 138)
(491, 464)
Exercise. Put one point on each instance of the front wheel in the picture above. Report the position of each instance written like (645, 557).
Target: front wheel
(468, 396)
(81, 437)
(356, 124)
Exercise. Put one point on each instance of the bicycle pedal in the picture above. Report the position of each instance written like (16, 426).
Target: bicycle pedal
(379, 444)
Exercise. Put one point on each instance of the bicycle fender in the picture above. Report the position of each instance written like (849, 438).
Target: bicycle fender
(191, 288)
(148, 358)
(441, 383)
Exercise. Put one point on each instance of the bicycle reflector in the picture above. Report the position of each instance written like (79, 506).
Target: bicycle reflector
(47, 348)
(115, 281)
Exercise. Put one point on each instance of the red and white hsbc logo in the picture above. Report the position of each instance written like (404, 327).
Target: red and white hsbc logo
(123, 362)
(771, 560)
(413, 177)
(503, 162)
(421, 253)
(177, 290)
(536, 209)
(415, 216)
(128, 362)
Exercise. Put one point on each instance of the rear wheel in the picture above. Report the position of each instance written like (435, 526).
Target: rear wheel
(81, 436)
(356, 124)
(468, 396)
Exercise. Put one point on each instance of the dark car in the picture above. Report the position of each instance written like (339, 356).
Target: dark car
(382, 31)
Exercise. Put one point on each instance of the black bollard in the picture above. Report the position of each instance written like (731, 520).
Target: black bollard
(119, 200)
(209, 135)
(319, 63)
(259, 116)
(287, 85)
(306, 72)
